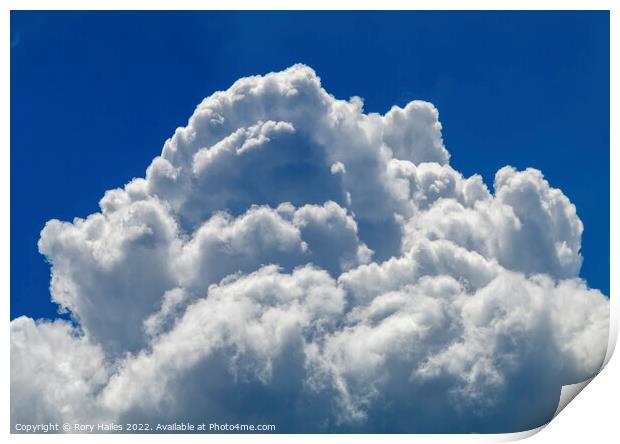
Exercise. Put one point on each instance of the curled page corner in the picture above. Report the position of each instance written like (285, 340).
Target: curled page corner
(518, 436)
(569, 392)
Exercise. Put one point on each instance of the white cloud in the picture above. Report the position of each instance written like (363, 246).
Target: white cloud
(414, 133)
(527, 226)
(289, 259)
(55, 373)
(112, 268)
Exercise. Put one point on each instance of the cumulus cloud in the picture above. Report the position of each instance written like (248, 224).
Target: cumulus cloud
(56, 372)
(289, 259)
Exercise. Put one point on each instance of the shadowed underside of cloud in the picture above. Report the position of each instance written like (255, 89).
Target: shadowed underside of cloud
(291, 260)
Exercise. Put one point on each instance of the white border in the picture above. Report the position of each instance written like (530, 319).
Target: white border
(592, 418)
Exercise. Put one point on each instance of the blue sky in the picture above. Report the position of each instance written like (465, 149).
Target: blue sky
(95, 95)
